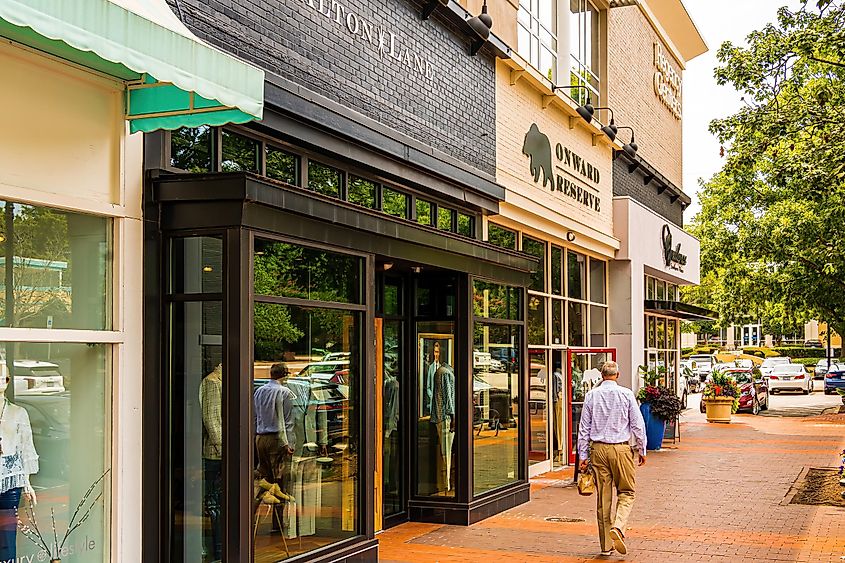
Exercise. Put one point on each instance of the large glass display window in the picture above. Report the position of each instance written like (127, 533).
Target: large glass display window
(496, 368)
(307, 322)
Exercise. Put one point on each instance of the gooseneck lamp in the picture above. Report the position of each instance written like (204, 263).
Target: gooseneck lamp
(630, 148)
(587, 110)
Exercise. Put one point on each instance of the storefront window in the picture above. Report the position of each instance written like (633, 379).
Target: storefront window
(282, 165)
(577, 275)
(557, 321)
(290, 270)
(584, 48)
(540, 375)
(649, 288)
(196, 265)
(495, 301)
(500, 236)
(495, 386)
(577, 325)
(55, 451)
(195, 426)
(394, 203)
(436, 409)
(362, 192)
(239, 153)
(306, 481)
(192, 148)
(61, 272)
(598, 326)
(598, 281)
(660, 293)
(557, 270)
(324, 179)
(537, 35)
(424, 212)
(536, 317)
(536, 248)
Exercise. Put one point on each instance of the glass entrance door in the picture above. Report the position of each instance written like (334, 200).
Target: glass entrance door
(582, 374)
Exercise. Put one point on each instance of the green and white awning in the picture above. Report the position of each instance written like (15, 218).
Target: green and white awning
(173, 78)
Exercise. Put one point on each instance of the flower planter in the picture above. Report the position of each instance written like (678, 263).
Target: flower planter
(655, 428)
(719, 409)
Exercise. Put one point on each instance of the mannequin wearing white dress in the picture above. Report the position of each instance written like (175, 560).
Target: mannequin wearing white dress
(18, 460)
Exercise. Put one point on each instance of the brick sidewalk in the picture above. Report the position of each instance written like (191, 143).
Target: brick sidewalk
(717, 496)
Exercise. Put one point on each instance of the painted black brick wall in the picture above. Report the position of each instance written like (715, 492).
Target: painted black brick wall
(631, 184)
(454, 113)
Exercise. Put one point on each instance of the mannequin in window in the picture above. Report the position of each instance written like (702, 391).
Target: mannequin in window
(391, 424)
(557, 401)
(429, 381)
(18, 460)
(443, 417)
(211, 403)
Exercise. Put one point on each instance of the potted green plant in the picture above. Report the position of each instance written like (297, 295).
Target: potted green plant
(657, 405)
(721, 397)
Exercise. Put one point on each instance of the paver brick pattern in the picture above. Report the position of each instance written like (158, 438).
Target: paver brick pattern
(720, 495)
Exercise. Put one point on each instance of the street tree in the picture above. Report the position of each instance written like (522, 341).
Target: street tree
(771, 221)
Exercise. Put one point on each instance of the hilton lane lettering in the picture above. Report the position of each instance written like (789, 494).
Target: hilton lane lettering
(672, 256)
(538, 148)
(385, 42)
(667, 82)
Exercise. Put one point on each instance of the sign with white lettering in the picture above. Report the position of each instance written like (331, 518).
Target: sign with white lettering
(672, 256)
(575, 169)
(387, 43)
(667, 82)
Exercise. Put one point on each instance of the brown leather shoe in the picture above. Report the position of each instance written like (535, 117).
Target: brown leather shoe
(618, 540)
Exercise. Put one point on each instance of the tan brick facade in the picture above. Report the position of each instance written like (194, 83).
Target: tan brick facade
(631, 94)
(538, 206)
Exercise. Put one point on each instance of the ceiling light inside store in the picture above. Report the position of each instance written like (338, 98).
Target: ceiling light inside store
(207, 269)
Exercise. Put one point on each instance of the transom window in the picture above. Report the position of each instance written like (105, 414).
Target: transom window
(210, 149)
(584, 61)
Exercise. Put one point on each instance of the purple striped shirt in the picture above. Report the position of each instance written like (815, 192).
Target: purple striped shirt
(610, 415)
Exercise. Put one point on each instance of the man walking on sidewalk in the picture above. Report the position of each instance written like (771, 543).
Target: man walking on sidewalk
(610, 417)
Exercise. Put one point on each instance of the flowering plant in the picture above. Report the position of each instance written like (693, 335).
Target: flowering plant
(665, 405)
(721, 385)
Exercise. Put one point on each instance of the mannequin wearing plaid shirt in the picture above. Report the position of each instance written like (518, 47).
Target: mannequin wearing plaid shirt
(211, 403)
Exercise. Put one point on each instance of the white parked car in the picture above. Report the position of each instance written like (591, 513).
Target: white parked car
(769, 364)
(789, 377)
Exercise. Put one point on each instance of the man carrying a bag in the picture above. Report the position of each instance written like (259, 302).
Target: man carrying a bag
(609, 419)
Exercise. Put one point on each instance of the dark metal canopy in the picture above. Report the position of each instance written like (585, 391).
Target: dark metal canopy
(221, 200)
(679, 310)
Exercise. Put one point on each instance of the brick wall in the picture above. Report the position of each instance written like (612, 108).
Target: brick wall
(631, 184)
(630, 91)
(519, 106)
(454, 112)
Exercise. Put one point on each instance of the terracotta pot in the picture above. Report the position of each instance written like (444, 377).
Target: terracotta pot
(719, 409)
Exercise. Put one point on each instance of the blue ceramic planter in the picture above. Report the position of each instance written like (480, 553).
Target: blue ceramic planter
(655, 428)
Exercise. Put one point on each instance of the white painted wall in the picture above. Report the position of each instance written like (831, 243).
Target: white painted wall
(639, 231)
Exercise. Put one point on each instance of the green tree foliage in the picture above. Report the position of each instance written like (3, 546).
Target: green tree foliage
(772, 223)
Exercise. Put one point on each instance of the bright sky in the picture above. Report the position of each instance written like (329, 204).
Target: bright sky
(704, 100)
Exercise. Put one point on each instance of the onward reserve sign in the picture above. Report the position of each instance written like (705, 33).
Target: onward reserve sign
(562, 170)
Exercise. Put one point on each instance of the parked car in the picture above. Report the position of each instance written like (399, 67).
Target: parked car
(834, 379)
(754, 393)
(769, 364)
(785, 377)
(702, 365)
(334, 356)
(34, 377)
(822, 368)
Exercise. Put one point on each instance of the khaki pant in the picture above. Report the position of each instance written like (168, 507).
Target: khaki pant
(614, 467)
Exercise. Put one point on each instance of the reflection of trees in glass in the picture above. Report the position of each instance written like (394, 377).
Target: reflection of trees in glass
(282, 165)
(290, 270)
(464, 225)
(273, 327)
(444, 219)
(240, 154)
(577, 275)
(501, 237)
(394, 203)
(423, 212)
(191, 148)
(362, 192)
(536, 248)
(41, 249)
(324, 179)
(536, 320)
(496, 301)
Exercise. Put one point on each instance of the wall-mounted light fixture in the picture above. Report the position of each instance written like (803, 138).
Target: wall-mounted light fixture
(481, 26)
(610, 129)
(587, 110)
(429, 8)
(630, 148)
